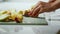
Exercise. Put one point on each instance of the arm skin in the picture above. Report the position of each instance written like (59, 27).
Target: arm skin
(52, 5)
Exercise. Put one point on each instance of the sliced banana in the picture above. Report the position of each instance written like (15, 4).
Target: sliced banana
(2, 17)
(19, 17)
(26, 12)
(5, 12)
(13, 14)
(20, 12)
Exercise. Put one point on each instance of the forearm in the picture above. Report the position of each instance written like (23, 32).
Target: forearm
(56, 4)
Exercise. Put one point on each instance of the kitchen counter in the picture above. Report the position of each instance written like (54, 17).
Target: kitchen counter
(30, 29)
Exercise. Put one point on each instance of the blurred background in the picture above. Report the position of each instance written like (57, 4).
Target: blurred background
(22, 0)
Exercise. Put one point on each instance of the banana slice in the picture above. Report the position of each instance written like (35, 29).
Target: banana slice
(20, 12)
(3, 17)
(19, 18)
(26, 12)
(13, 14)
(23, 12)
(5, 12)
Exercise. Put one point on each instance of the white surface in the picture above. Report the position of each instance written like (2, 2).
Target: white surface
(27, 0)
(53, 15)
(29, 29)
(15, 5)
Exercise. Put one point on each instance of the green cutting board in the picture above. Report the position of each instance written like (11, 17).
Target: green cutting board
(28, 21)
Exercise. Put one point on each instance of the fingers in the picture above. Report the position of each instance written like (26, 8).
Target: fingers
(35, 12)
(40, 8)
(38, 4)
(40, 11)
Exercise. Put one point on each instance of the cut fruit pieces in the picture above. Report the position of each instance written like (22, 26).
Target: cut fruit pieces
(12, 17)
(5, 16)
(13, 14)
(5, 12)
(20, 12)
(25, 13)
(19, 18)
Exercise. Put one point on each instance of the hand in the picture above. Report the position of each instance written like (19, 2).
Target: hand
(44, 7)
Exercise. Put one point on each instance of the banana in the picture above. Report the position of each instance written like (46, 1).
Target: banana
(20, 12)
(19, 18)
(5, 12)
(13, 14)
(3, 17)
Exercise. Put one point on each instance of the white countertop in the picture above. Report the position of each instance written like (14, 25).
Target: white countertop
(21, 29)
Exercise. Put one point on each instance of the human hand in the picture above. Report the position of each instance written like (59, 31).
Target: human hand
(44, 7)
